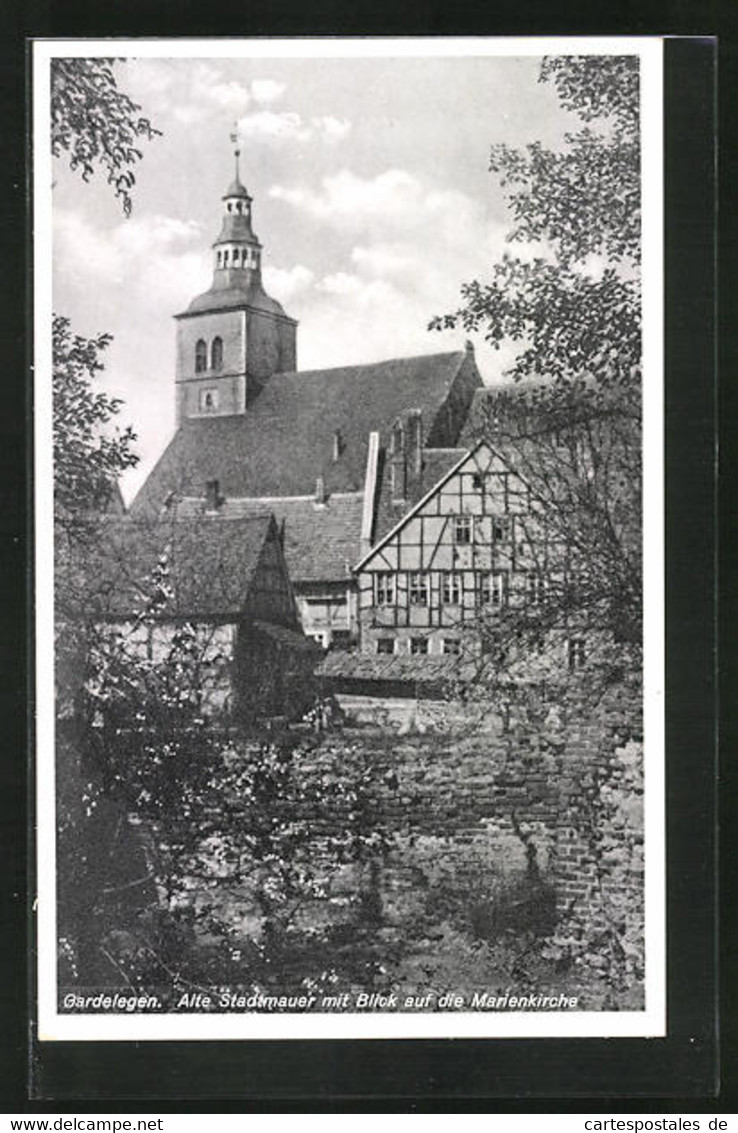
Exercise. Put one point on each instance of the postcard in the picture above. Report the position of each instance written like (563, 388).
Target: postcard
(348, 518)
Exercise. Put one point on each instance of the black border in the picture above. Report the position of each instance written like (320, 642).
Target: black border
(438, 1074)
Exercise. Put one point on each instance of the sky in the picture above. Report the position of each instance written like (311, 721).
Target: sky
(372, 197)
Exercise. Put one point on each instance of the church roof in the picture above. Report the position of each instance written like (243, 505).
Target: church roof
(321, 543)
(285, 439)
(249, 294)
(211, 566)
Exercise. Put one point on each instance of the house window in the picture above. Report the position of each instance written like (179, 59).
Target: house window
(501, 528)
(418, 645)
(208, 400)
(498, 588)
(451, 645)
(384, 588)
(216, 354)
(577, 653)
(418, 588)
(478, 482)
(451, 588)
(575, 585)
(492, 588)
(536, 587)
(201, 356)
(385, 645)
(462, 529)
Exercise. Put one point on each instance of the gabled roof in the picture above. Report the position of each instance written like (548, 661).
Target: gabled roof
(436, 464)
(285, 439)
(321, 543)
(454, 459)
(210, 566)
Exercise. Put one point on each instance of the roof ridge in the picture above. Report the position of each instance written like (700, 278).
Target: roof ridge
(152, 523)
(308, 497)
(461, 354)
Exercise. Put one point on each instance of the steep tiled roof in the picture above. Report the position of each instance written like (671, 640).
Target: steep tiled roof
(211, 565)
(321, 544)
(288, 638)
(436, 463)
(285, 440)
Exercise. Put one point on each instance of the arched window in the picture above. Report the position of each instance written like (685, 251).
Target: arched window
(216, 354)
(201, 356)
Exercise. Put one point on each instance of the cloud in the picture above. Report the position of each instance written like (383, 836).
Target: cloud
(348, 199)
(208, 86)
(365, 293)
(385, 259)
(288, 126)
(402, 247)
(194, 95)
(287, 283)
(267, 90)
(205, 89)
(405, 225)
(331, 129)
(160, 257)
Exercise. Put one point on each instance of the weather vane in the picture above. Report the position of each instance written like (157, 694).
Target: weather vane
(235, 143)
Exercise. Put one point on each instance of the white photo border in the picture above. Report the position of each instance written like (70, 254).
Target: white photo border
(650, 1022)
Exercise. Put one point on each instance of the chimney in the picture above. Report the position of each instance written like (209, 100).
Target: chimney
(337, 445)
(320, 493)
(398, 464)
(415, 442)
(213, 498)
(469, 346)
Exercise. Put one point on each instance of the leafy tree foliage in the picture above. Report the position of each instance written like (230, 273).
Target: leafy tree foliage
(89, 453)
(568, 292)
(96, 124)
(239, 826)
(571, 205)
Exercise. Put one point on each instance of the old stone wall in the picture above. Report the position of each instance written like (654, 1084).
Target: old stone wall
(493, 828)
(485, 811)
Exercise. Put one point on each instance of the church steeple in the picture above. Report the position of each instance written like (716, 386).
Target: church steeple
(234, 336)
(237, 248)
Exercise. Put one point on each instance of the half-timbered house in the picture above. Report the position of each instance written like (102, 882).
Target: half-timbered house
(228, 582)
(476, 547)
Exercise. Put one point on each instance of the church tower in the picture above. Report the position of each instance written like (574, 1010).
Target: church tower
(234, 336)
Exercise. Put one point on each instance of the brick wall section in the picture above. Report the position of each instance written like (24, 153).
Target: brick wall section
(463, 810)
(453, 804)
(586, 872)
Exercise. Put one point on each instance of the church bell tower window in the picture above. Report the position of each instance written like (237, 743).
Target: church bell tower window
(216, 354)
(201, 356)
(208, 400)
